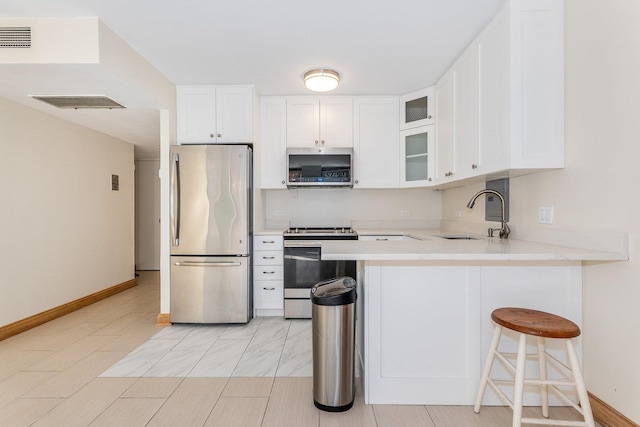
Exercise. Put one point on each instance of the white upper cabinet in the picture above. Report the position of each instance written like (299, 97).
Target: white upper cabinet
(272, 149)
(500, 107)
(215, 114)
(445, 129)
(319, 121)
(416, 157)
(522, 83)
(376, 147)
(466, 115)
(416, 108)
(457, 149)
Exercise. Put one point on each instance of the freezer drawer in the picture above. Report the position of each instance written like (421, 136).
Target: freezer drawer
(210, 290)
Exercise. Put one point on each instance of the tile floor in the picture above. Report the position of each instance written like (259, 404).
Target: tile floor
(265, 347)
(110, 365)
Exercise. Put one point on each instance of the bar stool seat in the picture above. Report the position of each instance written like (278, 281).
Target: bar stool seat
(542, 325)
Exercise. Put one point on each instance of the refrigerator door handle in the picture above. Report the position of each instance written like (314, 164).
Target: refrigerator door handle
(207, 264)
(175, 200)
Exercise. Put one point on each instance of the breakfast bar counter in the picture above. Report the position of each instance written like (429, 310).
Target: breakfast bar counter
(423, 307)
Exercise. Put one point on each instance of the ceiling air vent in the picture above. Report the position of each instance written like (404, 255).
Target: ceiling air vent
(79, 101)
(15, 37)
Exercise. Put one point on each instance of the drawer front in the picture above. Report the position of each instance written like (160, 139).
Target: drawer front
(267, 258)
(382, 238)
(267, 272)
(267, 243)
(268, 294)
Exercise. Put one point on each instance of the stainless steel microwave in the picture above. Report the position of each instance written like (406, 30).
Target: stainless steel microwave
(319, 167)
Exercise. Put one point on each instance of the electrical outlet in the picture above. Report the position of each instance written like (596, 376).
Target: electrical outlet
(405, 213)
(545, 215)
(277, 213)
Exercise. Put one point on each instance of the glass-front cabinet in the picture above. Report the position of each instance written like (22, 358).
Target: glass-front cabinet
(416, 109)
(416, 157)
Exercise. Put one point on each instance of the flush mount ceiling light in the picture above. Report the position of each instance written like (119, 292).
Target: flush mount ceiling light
(321, 80)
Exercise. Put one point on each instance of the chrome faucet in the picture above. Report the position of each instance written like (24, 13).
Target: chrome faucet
(504, 230)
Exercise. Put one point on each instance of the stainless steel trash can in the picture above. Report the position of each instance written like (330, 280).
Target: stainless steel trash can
(334, 329)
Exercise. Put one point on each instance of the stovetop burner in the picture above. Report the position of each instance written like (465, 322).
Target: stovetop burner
(320, 231)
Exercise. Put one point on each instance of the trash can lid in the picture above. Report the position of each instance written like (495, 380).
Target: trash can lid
(337, 291)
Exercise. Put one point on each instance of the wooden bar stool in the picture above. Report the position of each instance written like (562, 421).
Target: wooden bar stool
(541, 325)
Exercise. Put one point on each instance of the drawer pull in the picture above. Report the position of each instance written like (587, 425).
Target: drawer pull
(268, 272)
(382, 240)
(269, 289)
(268, 241)
(268, 257)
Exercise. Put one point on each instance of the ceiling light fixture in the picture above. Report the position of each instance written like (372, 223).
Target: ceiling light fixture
(321, 80)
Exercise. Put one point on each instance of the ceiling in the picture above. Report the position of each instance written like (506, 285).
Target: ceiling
(378, 47)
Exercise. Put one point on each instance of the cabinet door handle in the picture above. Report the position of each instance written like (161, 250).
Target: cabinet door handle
(212, 135)
(219, 135)
(316, 142)
(269, 289)
(428, 179)
(356, 182)
(322, 142)
(283, 182)
(474, 166)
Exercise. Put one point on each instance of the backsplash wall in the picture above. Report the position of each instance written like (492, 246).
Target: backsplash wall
(341, 207)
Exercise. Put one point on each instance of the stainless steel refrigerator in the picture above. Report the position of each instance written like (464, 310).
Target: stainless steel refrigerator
(211, 226)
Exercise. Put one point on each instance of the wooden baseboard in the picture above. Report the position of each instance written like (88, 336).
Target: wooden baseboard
(46, 316)
(607, 416)
(163, 320)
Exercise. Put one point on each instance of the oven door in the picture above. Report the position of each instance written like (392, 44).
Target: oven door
(303, 268)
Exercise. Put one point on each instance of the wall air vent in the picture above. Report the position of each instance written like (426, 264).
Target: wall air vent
(15, 37)
(79, 101)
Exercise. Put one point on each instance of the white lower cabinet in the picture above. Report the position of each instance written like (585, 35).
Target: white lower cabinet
(268, 292)
(425, 327)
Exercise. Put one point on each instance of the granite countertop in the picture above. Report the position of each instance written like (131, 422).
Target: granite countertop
(428, 246)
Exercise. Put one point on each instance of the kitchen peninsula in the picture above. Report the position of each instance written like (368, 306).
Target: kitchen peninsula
(424, 307)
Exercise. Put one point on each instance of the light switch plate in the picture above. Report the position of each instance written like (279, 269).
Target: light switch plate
(115, 183)
(545, 215)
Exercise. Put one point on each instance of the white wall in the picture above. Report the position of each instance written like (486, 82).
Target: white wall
(147, 215)
(65, 233)
(598, 189)
(306, 207)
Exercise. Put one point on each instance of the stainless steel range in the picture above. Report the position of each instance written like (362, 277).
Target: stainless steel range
(303, 267)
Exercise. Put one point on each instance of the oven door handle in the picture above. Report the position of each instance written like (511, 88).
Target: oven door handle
(316, 257)
(302, 244)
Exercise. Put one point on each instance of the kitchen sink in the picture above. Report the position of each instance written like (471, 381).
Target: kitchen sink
(457, 237)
